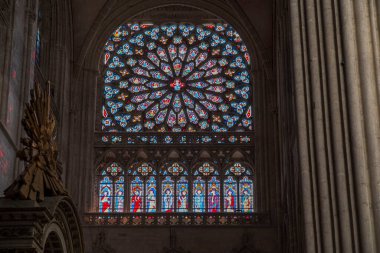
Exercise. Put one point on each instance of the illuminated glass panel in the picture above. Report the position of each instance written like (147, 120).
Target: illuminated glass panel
(111, 189)
(176, 77)
(230, 194)
(137, 193)
(214, 195)
(167, 195)
(182, 195)
(151, 195)
(119, 194)
(105, 195)
(246, 195)
(199, 190)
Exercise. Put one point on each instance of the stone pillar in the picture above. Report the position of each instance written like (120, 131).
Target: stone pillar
(336, 72)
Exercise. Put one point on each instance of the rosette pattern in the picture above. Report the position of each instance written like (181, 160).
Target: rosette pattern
(176, 78)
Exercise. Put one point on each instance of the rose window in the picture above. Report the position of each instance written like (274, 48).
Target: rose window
(176, 78)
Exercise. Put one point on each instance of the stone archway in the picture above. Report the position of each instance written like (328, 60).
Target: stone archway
(51, 226)
(53, 244)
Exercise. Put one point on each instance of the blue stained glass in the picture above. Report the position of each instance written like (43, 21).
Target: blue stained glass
(213, 72)
(175, 75)
(161, 116)
(158, 75)
(167, 194)
(182, 195)
(162, 54)
(243, 92)
(177, 105)
(214, 98)
(201, 58)
(188, 68)
(140, 71)
(155, 85)
(167, 69)
(196, 75)
(119, 195)
(182, 119)
(196, 94)
(188, 101)
(144, 105)
(192, 116)
(199, 190)
(172, 118)
(172, 52)
(199, 85)
(151, 195)
(230, 193)
(246, 195)
(214, 195)
(202, 113)
(182, 52)
(140, 98)
(136, 89)
(110, 92)
(157, 94)
(209, 105)
(153, 57)
(146, 64)
(105, 195)
(192, 54)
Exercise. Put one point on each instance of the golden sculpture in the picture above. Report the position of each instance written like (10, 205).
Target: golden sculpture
(40, 153)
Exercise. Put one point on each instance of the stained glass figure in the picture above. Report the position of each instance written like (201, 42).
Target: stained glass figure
(167, 195)
(151, 196)
(213, 195)
(182, 195)
(199, 186)
(176, 78)
(105, 195)
(119, 194)
(230, 194)
(111, 189)
(137, 193)
(246, 195)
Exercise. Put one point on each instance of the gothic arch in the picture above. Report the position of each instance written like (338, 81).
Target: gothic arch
(87, 76)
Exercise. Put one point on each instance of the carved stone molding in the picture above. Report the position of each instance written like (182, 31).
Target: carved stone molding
(25, 225)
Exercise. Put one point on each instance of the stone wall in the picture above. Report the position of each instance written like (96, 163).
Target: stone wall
(17, 43)
(190, 239)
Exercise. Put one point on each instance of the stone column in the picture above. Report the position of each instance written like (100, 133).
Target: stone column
(336, 62)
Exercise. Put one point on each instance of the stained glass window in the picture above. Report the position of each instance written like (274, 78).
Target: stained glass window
(176, 77)
(238, 177)
(214, 195)
(143, 189)
(176, 83)
(151, 197)
(246, 195)
(199, 190)
(230, 194)
(137, 193)
(182, 195)
(111, 189)
(167, 195)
